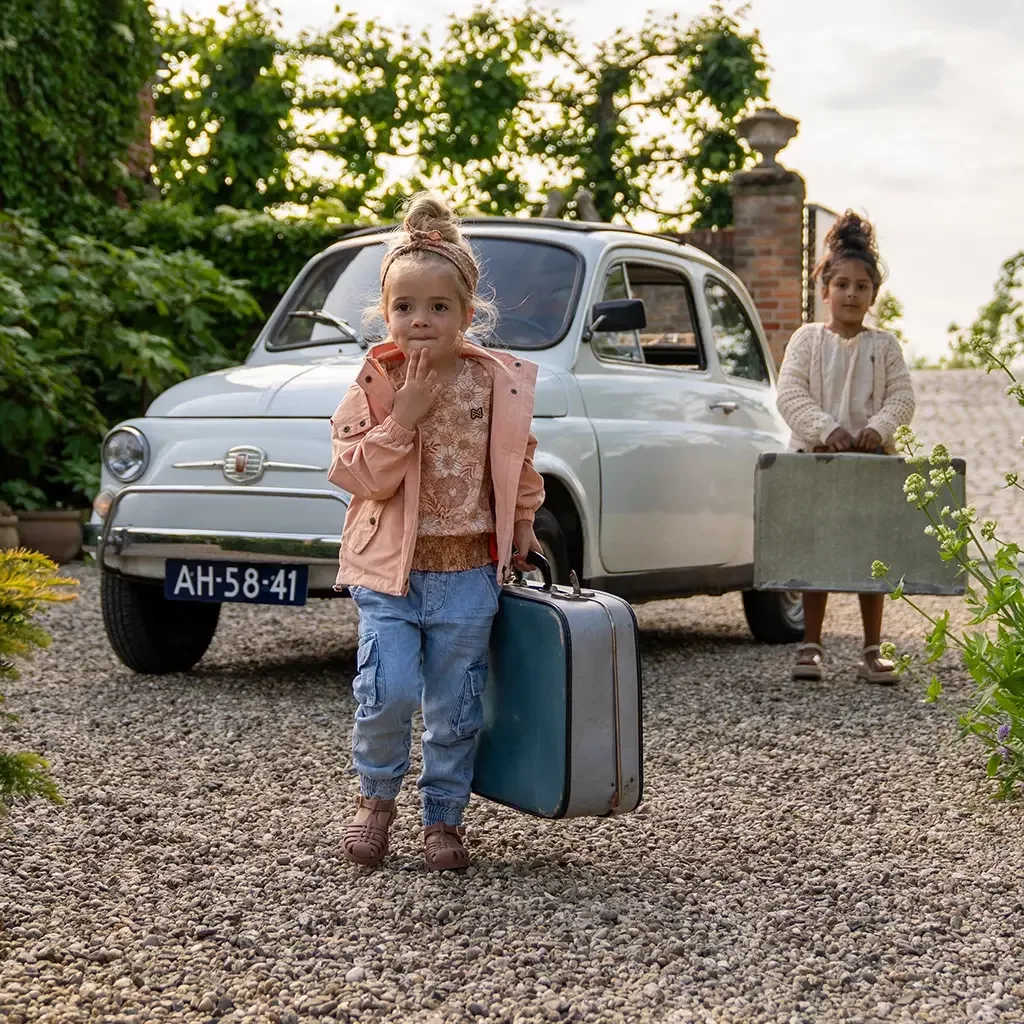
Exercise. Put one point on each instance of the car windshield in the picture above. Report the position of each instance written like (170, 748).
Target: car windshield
(534, 286)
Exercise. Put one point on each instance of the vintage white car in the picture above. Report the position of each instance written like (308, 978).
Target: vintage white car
(654, 398)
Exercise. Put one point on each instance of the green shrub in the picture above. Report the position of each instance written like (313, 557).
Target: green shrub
(992, 647)
(27, 580)
(89, 334)
(264, 250)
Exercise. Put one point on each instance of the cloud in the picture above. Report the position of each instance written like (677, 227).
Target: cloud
(989, 16)
(910, 77)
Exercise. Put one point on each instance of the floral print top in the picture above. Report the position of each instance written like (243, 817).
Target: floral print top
(455, 466)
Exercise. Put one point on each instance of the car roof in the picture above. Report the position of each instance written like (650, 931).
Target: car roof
(552, 229)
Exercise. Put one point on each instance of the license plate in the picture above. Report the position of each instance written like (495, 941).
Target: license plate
(244, 582)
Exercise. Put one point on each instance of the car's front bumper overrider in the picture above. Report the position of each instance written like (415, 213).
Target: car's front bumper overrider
(142, 550)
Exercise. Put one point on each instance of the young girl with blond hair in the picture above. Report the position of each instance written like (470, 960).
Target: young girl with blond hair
(844, 387)
(433, 442)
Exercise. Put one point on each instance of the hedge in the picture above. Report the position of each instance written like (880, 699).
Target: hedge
(262, 250)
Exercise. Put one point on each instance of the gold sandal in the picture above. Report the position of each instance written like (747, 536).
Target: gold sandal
(442, 845)
(366, 841)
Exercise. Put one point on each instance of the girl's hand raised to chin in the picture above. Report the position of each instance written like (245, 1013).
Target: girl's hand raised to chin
(417, 394)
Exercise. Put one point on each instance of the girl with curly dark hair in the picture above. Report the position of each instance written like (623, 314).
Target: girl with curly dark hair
(845, 387)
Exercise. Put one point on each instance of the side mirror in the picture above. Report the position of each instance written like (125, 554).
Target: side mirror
(618, 315)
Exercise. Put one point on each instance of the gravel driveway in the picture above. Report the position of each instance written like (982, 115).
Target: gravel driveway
(807, 852)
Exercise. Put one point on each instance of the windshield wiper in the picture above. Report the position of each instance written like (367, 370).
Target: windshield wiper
(321, 316)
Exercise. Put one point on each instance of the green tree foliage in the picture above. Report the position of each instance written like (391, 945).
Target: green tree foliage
(70, 75)
(889, 312)
(503, 107)
(227, 98)
(647, 109)
(28, 580)
(997, 333)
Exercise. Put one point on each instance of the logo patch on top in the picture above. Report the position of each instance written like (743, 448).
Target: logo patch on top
(477, 413)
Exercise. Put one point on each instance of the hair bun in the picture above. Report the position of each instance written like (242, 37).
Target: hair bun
(427, 212)
(851, 233)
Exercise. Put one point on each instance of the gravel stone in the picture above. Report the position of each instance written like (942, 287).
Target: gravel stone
(809, 852)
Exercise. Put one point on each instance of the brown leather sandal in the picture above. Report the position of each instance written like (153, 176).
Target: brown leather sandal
(366, 841)
(442, 845)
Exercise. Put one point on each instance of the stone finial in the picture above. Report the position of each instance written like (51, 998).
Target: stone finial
(767, 132)
(554, 204)
(585, 208)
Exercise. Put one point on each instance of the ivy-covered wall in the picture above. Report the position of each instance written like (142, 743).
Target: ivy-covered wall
(70, 75)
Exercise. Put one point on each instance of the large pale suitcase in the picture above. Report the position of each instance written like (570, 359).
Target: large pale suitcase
(562, 735)
(820, 521)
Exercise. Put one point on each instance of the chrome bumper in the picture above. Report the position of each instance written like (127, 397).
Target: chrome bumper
(147, 542)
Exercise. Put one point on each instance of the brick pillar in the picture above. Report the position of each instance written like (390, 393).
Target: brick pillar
(768, 247)
(768, 222)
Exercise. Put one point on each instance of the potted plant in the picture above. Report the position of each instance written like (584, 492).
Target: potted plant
(8, 527)
(52, 529)
(56, 532)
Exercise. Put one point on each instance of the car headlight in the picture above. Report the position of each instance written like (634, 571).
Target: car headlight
(126, 453)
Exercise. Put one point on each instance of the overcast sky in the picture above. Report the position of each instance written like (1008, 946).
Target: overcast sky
(911, 111)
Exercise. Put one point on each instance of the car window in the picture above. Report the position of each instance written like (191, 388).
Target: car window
(534, 286)
(736, 343)
(671, 337)
(624, 345)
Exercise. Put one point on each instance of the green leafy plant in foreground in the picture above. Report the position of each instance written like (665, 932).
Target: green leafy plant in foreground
(28, 580)
(992, 644)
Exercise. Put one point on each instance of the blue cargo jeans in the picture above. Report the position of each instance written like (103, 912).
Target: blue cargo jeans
(426, 649)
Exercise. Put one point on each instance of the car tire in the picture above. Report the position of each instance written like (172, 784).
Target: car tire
(773, 617)
(552, 540)
(151, 634)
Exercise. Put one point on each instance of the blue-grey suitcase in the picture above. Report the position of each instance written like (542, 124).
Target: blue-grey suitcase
(562, 735)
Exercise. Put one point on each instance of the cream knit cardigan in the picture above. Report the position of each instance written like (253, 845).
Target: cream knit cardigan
(800, 387)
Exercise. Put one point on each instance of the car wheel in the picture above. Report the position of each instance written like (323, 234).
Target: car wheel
(151, 634)
(552, 541)
(775, 617)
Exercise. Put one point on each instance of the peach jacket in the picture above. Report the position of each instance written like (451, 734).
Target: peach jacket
(377, 461)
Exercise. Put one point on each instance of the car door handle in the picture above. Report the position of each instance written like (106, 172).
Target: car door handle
(726, 407)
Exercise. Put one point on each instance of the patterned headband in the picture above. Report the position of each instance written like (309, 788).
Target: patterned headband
(431, 241)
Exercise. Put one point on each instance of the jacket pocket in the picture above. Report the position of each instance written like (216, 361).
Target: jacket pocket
(368, 687)
(358, 534)
(352, 419)
(469, 710)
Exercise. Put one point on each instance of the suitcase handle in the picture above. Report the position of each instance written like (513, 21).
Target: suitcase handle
(538, 561)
